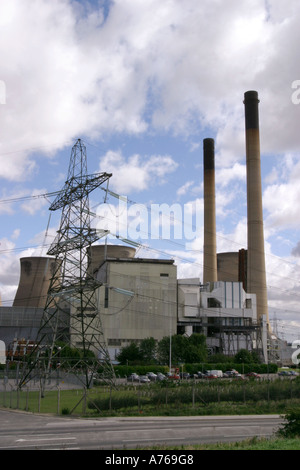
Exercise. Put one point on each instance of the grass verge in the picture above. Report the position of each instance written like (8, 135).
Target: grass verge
(254, 443)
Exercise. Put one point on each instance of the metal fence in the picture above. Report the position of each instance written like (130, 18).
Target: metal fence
(64, 395)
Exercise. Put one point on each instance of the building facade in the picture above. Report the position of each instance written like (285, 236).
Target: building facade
(224, 313)
(137, 300)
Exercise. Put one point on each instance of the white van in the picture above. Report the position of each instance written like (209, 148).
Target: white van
(218, 373)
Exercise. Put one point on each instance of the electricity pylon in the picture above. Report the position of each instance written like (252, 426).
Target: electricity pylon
(71, 336)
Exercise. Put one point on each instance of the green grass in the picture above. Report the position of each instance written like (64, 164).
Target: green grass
(53, 402)
(254, 443)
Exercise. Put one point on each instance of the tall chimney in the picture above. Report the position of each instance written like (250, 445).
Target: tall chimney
(210, 247)
(256, 271)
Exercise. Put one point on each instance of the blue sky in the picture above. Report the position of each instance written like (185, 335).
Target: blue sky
(142, 83)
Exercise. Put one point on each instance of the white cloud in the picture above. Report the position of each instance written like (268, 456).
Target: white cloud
(70, 73)
(136, 173)
(9, 270)
(16, 234)
(237, 172)
(184, 188)
(281, 199)
(36, 203)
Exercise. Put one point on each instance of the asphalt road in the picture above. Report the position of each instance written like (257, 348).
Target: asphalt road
(25, 431)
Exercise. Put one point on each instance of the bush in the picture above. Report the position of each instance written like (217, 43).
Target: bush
(117, 402)
(123, 371)
(292, 426)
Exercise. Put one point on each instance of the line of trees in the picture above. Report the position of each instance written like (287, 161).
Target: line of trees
(149, 351)
(184, 350)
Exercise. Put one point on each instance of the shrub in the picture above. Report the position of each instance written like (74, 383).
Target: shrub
(117, 402)
(292, 426)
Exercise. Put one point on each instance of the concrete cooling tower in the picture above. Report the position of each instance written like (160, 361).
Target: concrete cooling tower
(99, 253)
(232, 267)
(35, 276)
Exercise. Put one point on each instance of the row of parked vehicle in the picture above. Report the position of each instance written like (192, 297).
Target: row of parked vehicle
(287, 373)
(214, 374)
(149, 377)
(209, 374)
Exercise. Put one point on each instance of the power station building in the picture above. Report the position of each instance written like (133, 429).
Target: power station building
(140, 298)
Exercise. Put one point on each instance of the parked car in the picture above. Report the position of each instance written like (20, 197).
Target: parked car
(194, 376)
(285, 373)
(185, 375)
(209, 375)
(133, 378)
(173, 376)
(230, 373)
(144, 379)
(151, 376)
(216, 372)
(200, 375)
(238, 376)
(253, 375)
(160, 377)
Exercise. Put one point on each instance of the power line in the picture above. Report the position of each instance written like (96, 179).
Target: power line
(25, 198)
(148, 248)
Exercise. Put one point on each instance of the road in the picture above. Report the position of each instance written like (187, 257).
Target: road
(25, 431)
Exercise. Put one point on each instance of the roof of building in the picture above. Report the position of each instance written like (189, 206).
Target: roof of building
(141, 260)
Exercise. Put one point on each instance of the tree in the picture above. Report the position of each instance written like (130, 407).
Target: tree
(291, 427)
(243, 357)
(185, 349)
(196, 349)
(163, 350)
(148, 350)
(130, 354)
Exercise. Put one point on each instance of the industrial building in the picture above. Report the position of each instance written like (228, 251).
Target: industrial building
(224, 313)
(140, 298)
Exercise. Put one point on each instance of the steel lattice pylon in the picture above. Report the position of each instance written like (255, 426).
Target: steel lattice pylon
(71, 320)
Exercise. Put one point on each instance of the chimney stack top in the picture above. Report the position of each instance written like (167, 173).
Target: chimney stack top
(251, 109)
(209, 154)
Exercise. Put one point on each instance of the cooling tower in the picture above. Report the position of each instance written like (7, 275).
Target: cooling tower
(35, 276)
(228, 266)
(99, 253)
(209, 247)
(232, 267)
(256, 271)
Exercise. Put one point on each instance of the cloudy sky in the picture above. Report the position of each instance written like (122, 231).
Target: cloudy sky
(142, 83)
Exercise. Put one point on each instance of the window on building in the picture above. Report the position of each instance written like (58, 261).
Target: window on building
(212, 302)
